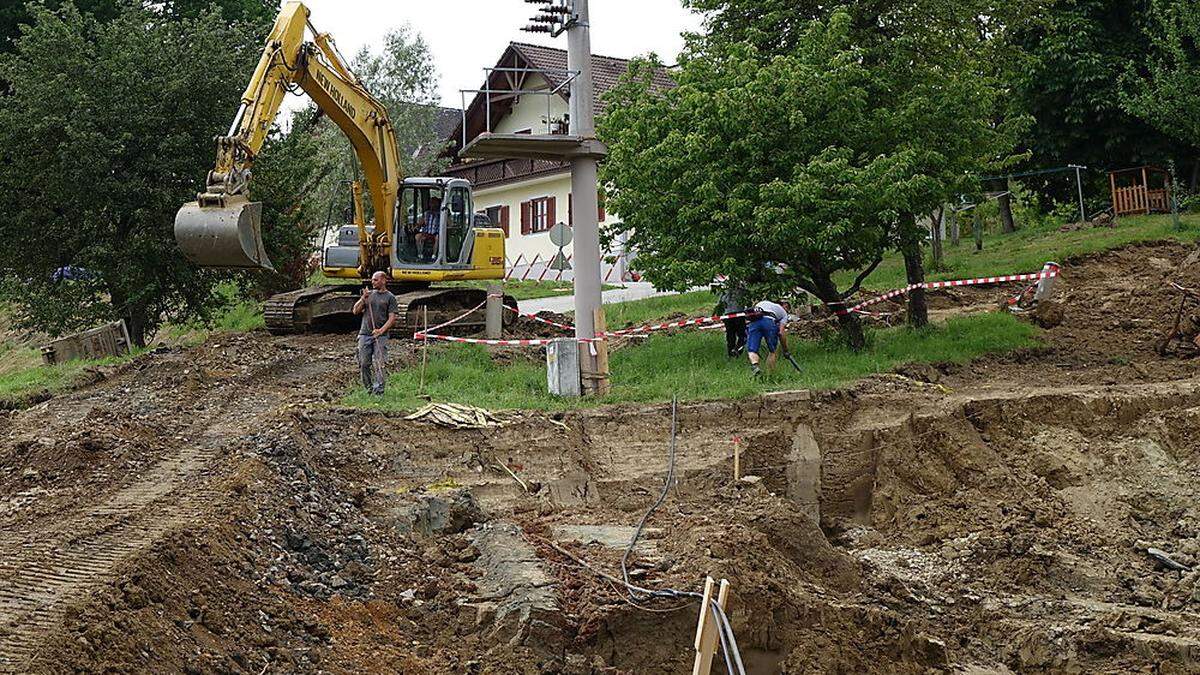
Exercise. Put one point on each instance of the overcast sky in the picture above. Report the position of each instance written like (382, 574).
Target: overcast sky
(467, 35)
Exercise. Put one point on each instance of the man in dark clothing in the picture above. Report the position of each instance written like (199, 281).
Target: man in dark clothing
(431, 222)
(732, 300)
(378, 307)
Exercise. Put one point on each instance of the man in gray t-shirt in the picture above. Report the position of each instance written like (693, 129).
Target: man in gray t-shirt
(378, 307)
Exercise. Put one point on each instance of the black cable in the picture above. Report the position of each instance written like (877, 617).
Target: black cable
(637, 533)
(721, 621)
(1036, 172)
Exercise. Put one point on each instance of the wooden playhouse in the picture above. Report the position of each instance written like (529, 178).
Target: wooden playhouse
(1140, 190)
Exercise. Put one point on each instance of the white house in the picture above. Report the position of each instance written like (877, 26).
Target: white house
(527, 196)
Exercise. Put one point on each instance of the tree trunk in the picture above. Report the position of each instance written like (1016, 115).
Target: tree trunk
(977, 225)
(1195, 175)
(133, 314)
(935, 222)
(136, 323)
(953, 216)
(910, 248)
(1006, 216)
(848, 323)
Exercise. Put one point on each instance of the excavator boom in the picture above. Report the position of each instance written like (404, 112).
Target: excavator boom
(223, 227)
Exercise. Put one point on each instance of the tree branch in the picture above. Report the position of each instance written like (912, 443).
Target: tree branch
(862, 277)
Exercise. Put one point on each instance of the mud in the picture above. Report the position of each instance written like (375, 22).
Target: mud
(214, 510)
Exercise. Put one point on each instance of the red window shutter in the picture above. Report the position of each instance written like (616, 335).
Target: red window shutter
(504, 219)
(570, 209)
(600, 207)
(551, 213)
(526, 217)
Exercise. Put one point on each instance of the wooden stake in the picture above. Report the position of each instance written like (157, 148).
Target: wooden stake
(706, 629)
(601, 381)
(737, 458)
(424, 345)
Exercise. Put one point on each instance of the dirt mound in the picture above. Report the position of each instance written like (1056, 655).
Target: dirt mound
(207, 510)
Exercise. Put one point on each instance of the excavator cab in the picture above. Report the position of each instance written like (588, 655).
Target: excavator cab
(435, 225)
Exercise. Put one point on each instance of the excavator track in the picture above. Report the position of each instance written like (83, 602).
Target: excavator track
(329, 308)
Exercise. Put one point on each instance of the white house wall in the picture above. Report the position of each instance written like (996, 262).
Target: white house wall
(535, 244)
(529, 112)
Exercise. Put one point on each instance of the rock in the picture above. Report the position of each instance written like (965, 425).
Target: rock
(337, 582)
(1047, 314)
(612, 536)
(445, 513)
(572, 490)
(526, 599)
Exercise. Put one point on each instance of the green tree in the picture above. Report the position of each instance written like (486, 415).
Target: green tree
(1081, 52)
(938, 71)
(1164, 92)
(105, 131)
(15, 13)
(291, 165)
(753, 164)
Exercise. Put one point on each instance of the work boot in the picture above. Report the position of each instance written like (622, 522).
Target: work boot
(756, 370)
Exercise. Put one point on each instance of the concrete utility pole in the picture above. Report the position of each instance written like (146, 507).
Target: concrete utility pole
(583, 151)
(584, 196)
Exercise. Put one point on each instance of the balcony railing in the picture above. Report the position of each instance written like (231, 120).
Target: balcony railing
(491, 171)
(552, 125)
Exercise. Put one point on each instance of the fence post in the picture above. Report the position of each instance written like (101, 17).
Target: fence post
(493, 317)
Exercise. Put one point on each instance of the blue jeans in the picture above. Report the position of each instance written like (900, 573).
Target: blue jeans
(762, 328)
(372, 354)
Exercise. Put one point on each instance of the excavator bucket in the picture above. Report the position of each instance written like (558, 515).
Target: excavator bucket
(228, 236)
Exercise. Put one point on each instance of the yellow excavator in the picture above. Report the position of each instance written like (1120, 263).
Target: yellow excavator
(425, 230)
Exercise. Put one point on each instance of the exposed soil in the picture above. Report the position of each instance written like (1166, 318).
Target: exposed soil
(213, 509)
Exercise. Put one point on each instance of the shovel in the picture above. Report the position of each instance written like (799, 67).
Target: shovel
(792, 361)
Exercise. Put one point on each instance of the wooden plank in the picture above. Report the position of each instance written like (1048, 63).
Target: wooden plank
(1145, 186)
(706, 630)
(1112, 185)
(600, 323)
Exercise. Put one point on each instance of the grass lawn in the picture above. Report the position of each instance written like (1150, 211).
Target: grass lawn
(1026, 250)
(521, 290)
(693, 365)
(19, 383)
(621, 314)
(525, 290)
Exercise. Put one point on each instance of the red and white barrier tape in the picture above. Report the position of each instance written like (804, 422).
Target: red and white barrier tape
(533, 342)
(677, 324)
(1051, 270)
(460, 317)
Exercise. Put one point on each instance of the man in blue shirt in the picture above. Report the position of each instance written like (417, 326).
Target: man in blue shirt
(430, 228)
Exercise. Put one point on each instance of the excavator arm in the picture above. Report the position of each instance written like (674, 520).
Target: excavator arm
(222, 228)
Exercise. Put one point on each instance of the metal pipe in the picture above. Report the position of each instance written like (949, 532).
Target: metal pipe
(237, 120)
(1079, 185)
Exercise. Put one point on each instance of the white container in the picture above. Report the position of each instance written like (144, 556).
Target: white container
(562, 367)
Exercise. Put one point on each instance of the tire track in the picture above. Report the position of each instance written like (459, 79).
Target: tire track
(45, 571)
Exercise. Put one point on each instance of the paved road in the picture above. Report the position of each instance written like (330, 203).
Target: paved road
(634, 290)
